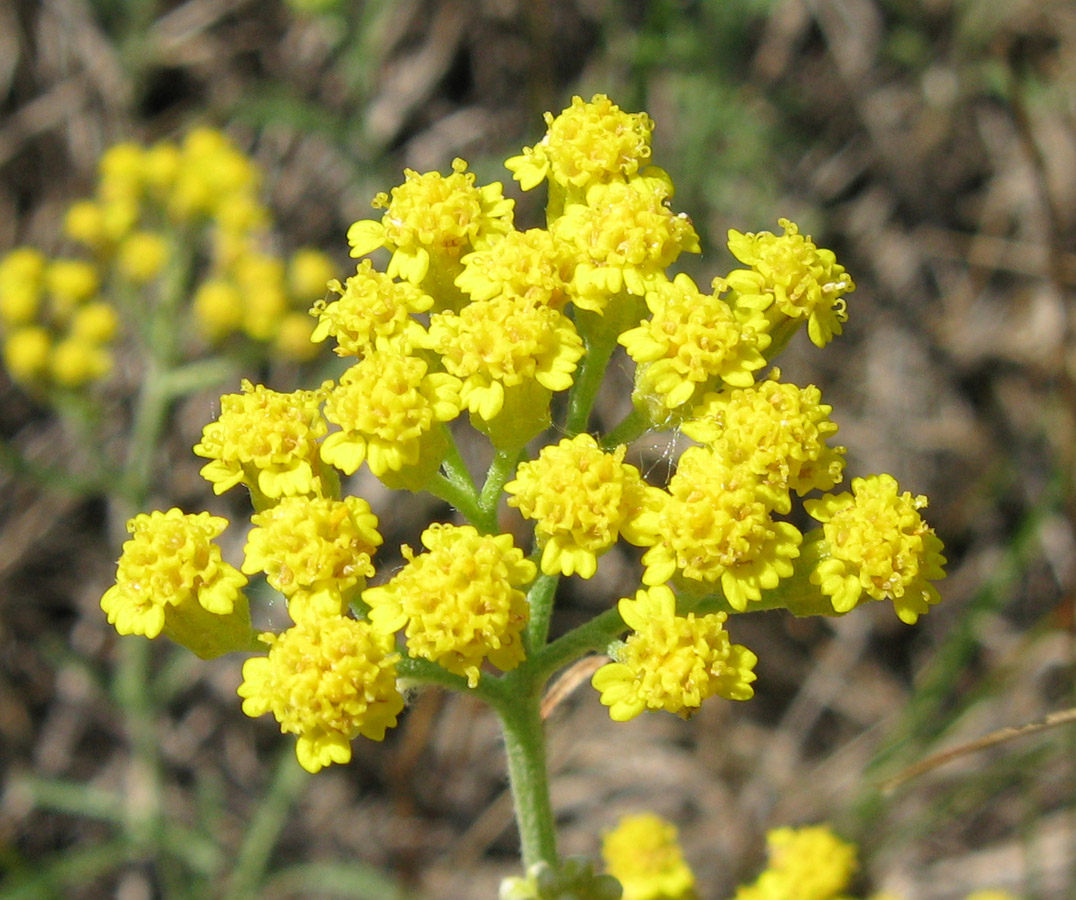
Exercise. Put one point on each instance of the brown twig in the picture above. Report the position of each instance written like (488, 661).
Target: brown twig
(994, 737)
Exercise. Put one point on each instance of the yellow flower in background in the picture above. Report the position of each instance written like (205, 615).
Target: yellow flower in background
(327, 680)
(714, 529)
(623, 237)
(433, 219)
(266, 440)
(804, 864)
(671, 662)
(315, 551)
(458, 604)
(776, 431)
(171, 579)
(26, 353)
(582, 500)
(373, 312)
(643, 853)
(142, 255)
(75, 361)
(389, 407)
(22, 285)
(790, 277)
(589, 142)
(876, 543)
(691, 341)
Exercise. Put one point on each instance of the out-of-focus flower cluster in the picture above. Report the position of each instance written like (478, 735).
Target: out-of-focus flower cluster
(810, 863)
(166, 223)
(466, 317)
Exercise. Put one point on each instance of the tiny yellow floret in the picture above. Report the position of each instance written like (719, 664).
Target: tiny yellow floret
(315, 551)
(458, 604)
(671, 662)
(777, 431)
(790, 278)
(373, 312)
(583, 499)
(877, 544)
(433, 220)
(623, 237)
(692, 341)
(589, 142)
(266, 440)
(171, 579)
(715, 528)
(389, 407)
(327, 680)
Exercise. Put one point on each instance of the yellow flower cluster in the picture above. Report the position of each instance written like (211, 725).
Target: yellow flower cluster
(671, 662)
(472, 315)
(56, 329)
(804, 864)
(173, 217)
(171, 579)
(643, 853)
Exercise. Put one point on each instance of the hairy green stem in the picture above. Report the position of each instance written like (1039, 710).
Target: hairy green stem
(528, 774)
(540, 597)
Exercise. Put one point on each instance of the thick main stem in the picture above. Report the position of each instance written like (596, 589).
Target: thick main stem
(528, 776)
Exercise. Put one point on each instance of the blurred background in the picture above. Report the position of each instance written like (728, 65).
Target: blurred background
(930, 143)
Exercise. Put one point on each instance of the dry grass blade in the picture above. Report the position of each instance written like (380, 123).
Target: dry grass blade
(993, 738)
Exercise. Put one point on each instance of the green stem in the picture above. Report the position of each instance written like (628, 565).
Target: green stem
(528, 775)
(593, 636)
(540, 597)
(631, 427)
(501, 469)
(588, 380)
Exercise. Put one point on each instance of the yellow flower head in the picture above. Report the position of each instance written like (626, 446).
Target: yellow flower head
(374, 312)
(804, 864)
(643, 853)
(142, 256)
(171, 579)
(671, 662)
(583, 499)
(262, 284)
(309, 273)
(266, 440)
(692, 340)
(315, 551)
(776, 431)
(714, 528)
(389, 405)
(210, 175)
(433, 218)
(328, 680)
(22, 283)
(587, 143)
(26, 353)
(76, 361)
(876, 543)
(790, 277)
(623, 238)
(491, 345)
(529, 265)
(70, 283)
(121, 172)
(218, 308)
(459, 603)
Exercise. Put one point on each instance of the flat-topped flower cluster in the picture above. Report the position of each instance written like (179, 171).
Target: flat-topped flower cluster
(474, 320)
